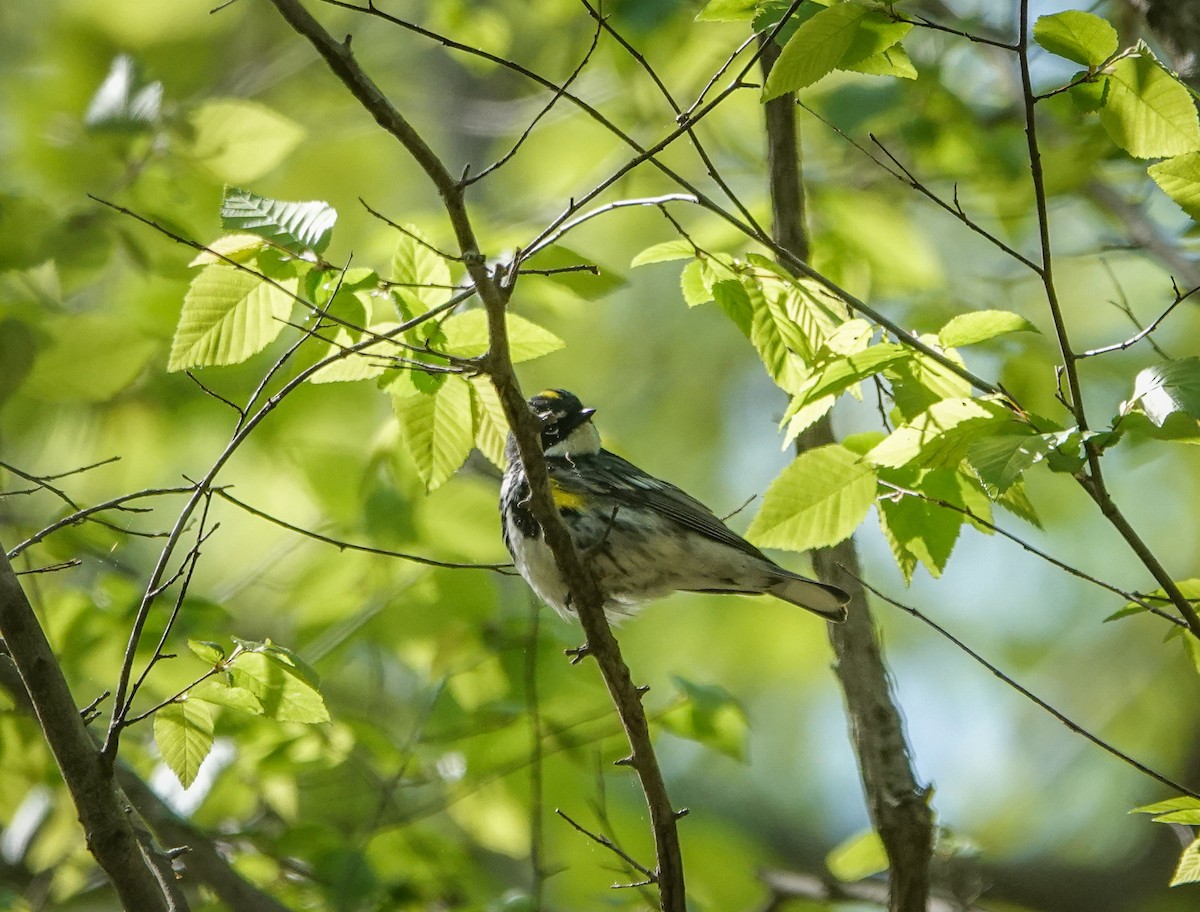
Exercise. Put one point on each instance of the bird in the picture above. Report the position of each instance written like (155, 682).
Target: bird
(643, 537)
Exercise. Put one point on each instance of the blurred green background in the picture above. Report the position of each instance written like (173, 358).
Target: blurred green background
(418, 794)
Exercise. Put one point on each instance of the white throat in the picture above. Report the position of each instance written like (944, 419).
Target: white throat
(583, 441)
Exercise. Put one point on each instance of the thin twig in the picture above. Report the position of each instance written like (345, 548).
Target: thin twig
(1137, 337)
(351, 546)
(1031, 696)
(603, 840)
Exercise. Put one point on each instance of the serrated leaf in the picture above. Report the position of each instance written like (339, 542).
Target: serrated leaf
(467, 336)
(970, 328)
(919, 531)
(837, 375)
(815, 50)
(1078, 36)
(774, 334)
(1001, 460)
(1149, 113)
(939, 436)
(677, 249)
(125, 101)
(1190, 589)
(228, 315)
(711, 716)
(1188, 869)
(1179, 178)
(857, 857)
(876, 33)
(438, 429)
(423, 276)
(219, 691)
(241, 248)
(920, 382)
(1168, 388)
(489, 424)
(366, 363)
(285, 690)
(183, 731)
(240, 140)
(207, 652)
(818, 500)
(298, 227)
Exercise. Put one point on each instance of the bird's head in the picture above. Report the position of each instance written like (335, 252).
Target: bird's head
(567, 428)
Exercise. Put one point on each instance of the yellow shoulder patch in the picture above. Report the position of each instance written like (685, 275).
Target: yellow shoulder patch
(566, 500)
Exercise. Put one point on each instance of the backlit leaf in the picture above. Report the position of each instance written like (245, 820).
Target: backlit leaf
(438, 429)
(818, 500)
(981, 325)
(183, 731)
(1179, 178)
(240, 140)
(228, 315)
(422, 276)
(284, 689)
(1082, 37)
(1149, 113)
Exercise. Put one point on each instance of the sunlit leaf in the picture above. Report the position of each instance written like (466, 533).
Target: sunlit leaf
(208, 652)
(1167, 388)
(677, 249)
(220, 691)
(298, 227)
(919, 530)
(488, 421)
(1149, 113)
(939, 437)
(1188, 870)
(183, 731)
(284, 689)
(467, 336)
(857, 857)
(727, 10)
(893, 61)
(228, 315)
(241, 248)
(422, 275)
(438, 429)
(981, 325)
(240, 140)
(815, 50)
(1179, 178)
(818, 500)
(1078, 36)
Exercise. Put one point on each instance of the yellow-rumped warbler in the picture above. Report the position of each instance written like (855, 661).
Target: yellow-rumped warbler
(643, 537)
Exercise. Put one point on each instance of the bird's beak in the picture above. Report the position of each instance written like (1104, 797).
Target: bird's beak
(586, 415)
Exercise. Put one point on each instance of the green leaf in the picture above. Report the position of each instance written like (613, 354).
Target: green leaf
(876, 33)
(1090, 95)
(586, 284)
(488, 422)
(207, 652)
(220, 691)
(298, 227)
(815, 50)
(1179, 178)
(183, 731)
(710, 716)
(467, 336)
(893, 61)
(241, 248)
(422, 275)
(228, 315)
(677, 249)
(125, 101)
(917, 530)
(727, 11)
(841, 373)
(969, 328)
(1188, 870)
(695, 285)
(285, 690)
(438, 429)
(1002, 459)
(1167, 388)
(775, 335)
(940, 436)
(859, 856)
(1149, 113)
(1182, 803)
(240, 140)
(818, 500)
(1081, 37)
(1189, 587)
(366, 363)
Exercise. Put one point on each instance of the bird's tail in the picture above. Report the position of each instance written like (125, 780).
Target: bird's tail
(819, 598)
